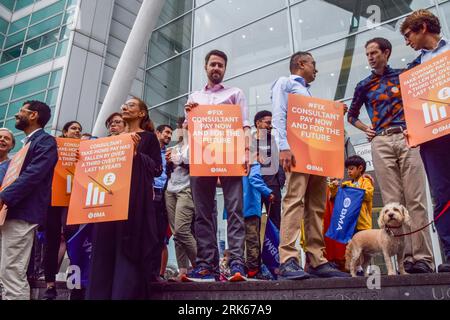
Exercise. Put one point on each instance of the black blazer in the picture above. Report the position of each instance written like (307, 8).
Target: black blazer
(29, 196)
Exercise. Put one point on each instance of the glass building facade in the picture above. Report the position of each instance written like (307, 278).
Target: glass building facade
(38, 37)
(259, 40)
(259, 36)
(42, 88)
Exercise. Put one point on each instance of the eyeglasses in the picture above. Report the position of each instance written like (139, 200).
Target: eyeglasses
(116, 122)
(26, 110)
(407, 34)
(129, 105)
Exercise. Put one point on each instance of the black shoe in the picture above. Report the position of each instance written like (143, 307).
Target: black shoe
(290, 270)
(420, 266)
(445, 267)
(328, 270)
(360, 273)
(50, 294)
(408, 266)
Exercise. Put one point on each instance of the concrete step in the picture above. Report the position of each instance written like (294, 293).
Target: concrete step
(38, 288)
(408, 287)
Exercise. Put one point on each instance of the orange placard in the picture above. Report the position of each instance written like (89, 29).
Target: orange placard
(13, 172)
(64, 171)
(216, 141)
(426, 99)
(315, 131)
(101, 187)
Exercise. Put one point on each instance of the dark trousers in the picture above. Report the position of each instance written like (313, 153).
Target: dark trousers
(203, 193)
(252, 242)
(163, 224)
(113, 275)
(275, 207)
(436, 159)
(55, 228)
(36, 266)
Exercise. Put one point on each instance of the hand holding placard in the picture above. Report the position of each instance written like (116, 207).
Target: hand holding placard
(315, 129)
(426, 99)
(217, 141)
(102, 181)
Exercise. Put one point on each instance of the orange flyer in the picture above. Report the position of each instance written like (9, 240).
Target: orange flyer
(64, 171)
(216, 141)
(13, 172)
(315, 132)
(426, 99)
(101, 187)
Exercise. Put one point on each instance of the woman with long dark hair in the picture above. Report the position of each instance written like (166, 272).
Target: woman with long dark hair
(56, 230)
(122, 259)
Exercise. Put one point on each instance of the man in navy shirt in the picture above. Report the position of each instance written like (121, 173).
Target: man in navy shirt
(422, 32)
(27, 199)
(164, 134)
(399, 170)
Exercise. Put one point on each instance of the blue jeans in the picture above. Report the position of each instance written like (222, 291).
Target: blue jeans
(436, 159)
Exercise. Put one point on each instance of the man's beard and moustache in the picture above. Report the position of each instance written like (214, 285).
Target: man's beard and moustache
(215, 79)
(22, 123)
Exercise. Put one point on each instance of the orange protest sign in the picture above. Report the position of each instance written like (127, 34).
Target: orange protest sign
(13, 172)
(315, 131)
(64, 171)
(101, 187)
(426, 99)
(216, 141)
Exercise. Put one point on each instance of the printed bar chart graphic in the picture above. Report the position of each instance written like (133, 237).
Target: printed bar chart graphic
(433, 113)
(94, 196)
(69, 184)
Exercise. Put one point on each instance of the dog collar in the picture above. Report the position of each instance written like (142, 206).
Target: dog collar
(389, 230)
(389, 227)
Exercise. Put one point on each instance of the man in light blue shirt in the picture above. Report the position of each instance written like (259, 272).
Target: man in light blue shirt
(422, 32)
(306, 194)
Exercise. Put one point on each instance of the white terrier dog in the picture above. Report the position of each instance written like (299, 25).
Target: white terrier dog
(368, 243)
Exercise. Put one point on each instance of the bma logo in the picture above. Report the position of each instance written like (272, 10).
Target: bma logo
(347, 202)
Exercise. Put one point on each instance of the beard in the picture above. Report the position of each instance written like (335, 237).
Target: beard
(215, 77)
(22, 123)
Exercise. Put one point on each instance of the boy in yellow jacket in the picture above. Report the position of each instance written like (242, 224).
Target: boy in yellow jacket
(356, 167)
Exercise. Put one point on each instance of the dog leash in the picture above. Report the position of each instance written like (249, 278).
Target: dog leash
(434, 220)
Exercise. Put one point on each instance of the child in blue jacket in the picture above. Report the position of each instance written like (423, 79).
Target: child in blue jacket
(254, 187)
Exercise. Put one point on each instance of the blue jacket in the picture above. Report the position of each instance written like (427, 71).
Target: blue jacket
(28, 197)
(253, 187)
